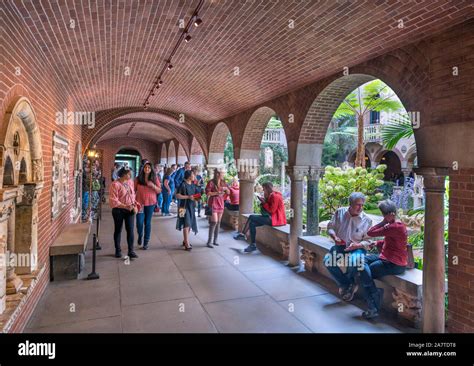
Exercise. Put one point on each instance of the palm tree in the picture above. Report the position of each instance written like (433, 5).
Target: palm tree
(372, 96)
(396, 130)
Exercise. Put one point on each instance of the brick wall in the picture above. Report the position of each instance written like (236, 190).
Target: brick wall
(147, 149)
(461, 248)
(24, 72)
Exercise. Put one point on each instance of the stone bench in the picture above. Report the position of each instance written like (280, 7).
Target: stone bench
(230, 219)
(67, 252)
(276, 238)
(403, 293)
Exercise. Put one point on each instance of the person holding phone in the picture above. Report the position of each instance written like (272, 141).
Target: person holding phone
(187, 195)
(273, 214)
(392, 259)
(348, 228)
(216, 188)
(124, 206)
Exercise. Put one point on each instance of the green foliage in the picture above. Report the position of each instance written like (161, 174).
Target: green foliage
(229, 156)
(395, 130)
(280, 155)
(274, 123)
(337, 184)
(387, 189)
(340, 140)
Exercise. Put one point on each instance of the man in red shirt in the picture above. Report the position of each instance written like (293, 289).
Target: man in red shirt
(274, 215)
(392, 259)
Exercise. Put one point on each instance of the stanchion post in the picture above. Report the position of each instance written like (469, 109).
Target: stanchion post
(93, 275)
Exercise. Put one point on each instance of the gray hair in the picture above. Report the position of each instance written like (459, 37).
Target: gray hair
(387, 207)
(356, 196)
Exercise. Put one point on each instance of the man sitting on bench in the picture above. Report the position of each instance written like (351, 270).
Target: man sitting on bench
(273, 214)
(348, 228)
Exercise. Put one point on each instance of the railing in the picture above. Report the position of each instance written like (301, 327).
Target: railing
(274, 136)
(373, 133)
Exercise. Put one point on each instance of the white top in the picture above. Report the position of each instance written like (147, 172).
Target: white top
(350, 228)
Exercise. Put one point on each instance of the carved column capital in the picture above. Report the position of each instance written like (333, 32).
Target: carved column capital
(433, 178)
(297, 172)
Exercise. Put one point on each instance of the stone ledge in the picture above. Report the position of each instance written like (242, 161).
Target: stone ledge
(72, 240)
(231, 219)
(276, 238)
(401, 291)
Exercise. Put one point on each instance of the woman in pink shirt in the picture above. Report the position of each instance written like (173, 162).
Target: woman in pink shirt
(392, 259)
(215, 191)
(124, 206)
(232, 201)
(147, 186)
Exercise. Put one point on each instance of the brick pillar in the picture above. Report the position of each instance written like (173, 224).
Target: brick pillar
(433, 318)
(296, 174)
(461, 251)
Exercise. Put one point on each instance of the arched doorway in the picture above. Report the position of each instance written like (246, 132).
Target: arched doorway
(393, 172)
(21, 182)
(129, 157)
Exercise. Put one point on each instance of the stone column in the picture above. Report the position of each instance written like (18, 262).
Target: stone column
(296, 174)
(246, 194)
(433, 313)
(26, 229)
(5, 211)
(312, 202)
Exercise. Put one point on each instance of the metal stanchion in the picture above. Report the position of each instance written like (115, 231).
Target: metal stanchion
(98, 217)
(93, 275)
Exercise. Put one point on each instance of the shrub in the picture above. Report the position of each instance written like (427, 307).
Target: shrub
(337, 184)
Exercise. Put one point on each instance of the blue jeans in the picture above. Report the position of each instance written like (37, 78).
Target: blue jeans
(85, 204)
(159, 200)
(145, 217)
(353, 261)
(374, 267)
(166, 202)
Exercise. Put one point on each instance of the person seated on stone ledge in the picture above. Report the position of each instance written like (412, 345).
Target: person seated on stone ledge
(348, 228)
(232, 203)
(392, 259)
(273, 214)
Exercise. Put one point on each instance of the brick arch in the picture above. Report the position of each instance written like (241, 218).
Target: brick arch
(255, 127)
(181, 135)
(182, 153)
(405, 71)
(164, 154)
(104, 117)
(172, 152)
(218, 138)
(131, 146)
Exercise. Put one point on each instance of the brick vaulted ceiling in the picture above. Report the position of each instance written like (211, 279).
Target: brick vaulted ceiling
(273, 58)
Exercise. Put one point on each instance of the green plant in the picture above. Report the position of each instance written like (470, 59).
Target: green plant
(374, 96)
(337, 184)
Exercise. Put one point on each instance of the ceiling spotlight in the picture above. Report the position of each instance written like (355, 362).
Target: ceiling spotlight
(187, 38)
(170, 66)
(198, 22)
(152, 93)
(160, 82)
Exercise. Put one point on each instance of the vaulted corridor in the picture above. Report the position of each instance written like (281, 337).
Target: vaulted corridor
(209, 290)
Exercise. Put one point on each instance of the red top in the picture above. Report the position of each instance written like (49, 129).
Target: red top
(146, 196)
(234, 195)
(394, 247)
(275, 206)
(122, 194)
(215, 202)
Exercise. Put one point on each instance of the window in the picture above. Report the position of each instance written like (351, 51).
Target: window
(374, 117)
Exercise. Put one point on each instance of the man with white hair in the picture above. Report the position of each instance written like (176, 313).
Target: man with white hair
(348, 228)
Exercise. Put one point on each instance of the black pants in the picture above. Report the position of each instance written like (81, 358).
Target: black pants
(255, 221)
(120, 215)
(231, 207)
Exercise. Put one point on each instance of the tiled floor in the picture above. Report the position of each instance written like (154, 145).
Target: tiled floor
(207, 290)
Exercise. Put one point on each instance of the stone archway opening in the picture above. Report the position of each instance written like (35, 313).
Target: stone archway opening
(21, 182)
(129, 157)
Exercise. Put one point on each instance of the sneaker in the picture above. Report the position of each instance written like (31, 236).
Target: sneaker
(351, 290)
(118, 254)
(209, 245)
(132, 255)
(250, 248)
(342, 291)
(215, 244)
(239, 236)
(370, 314)
(145, 247)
